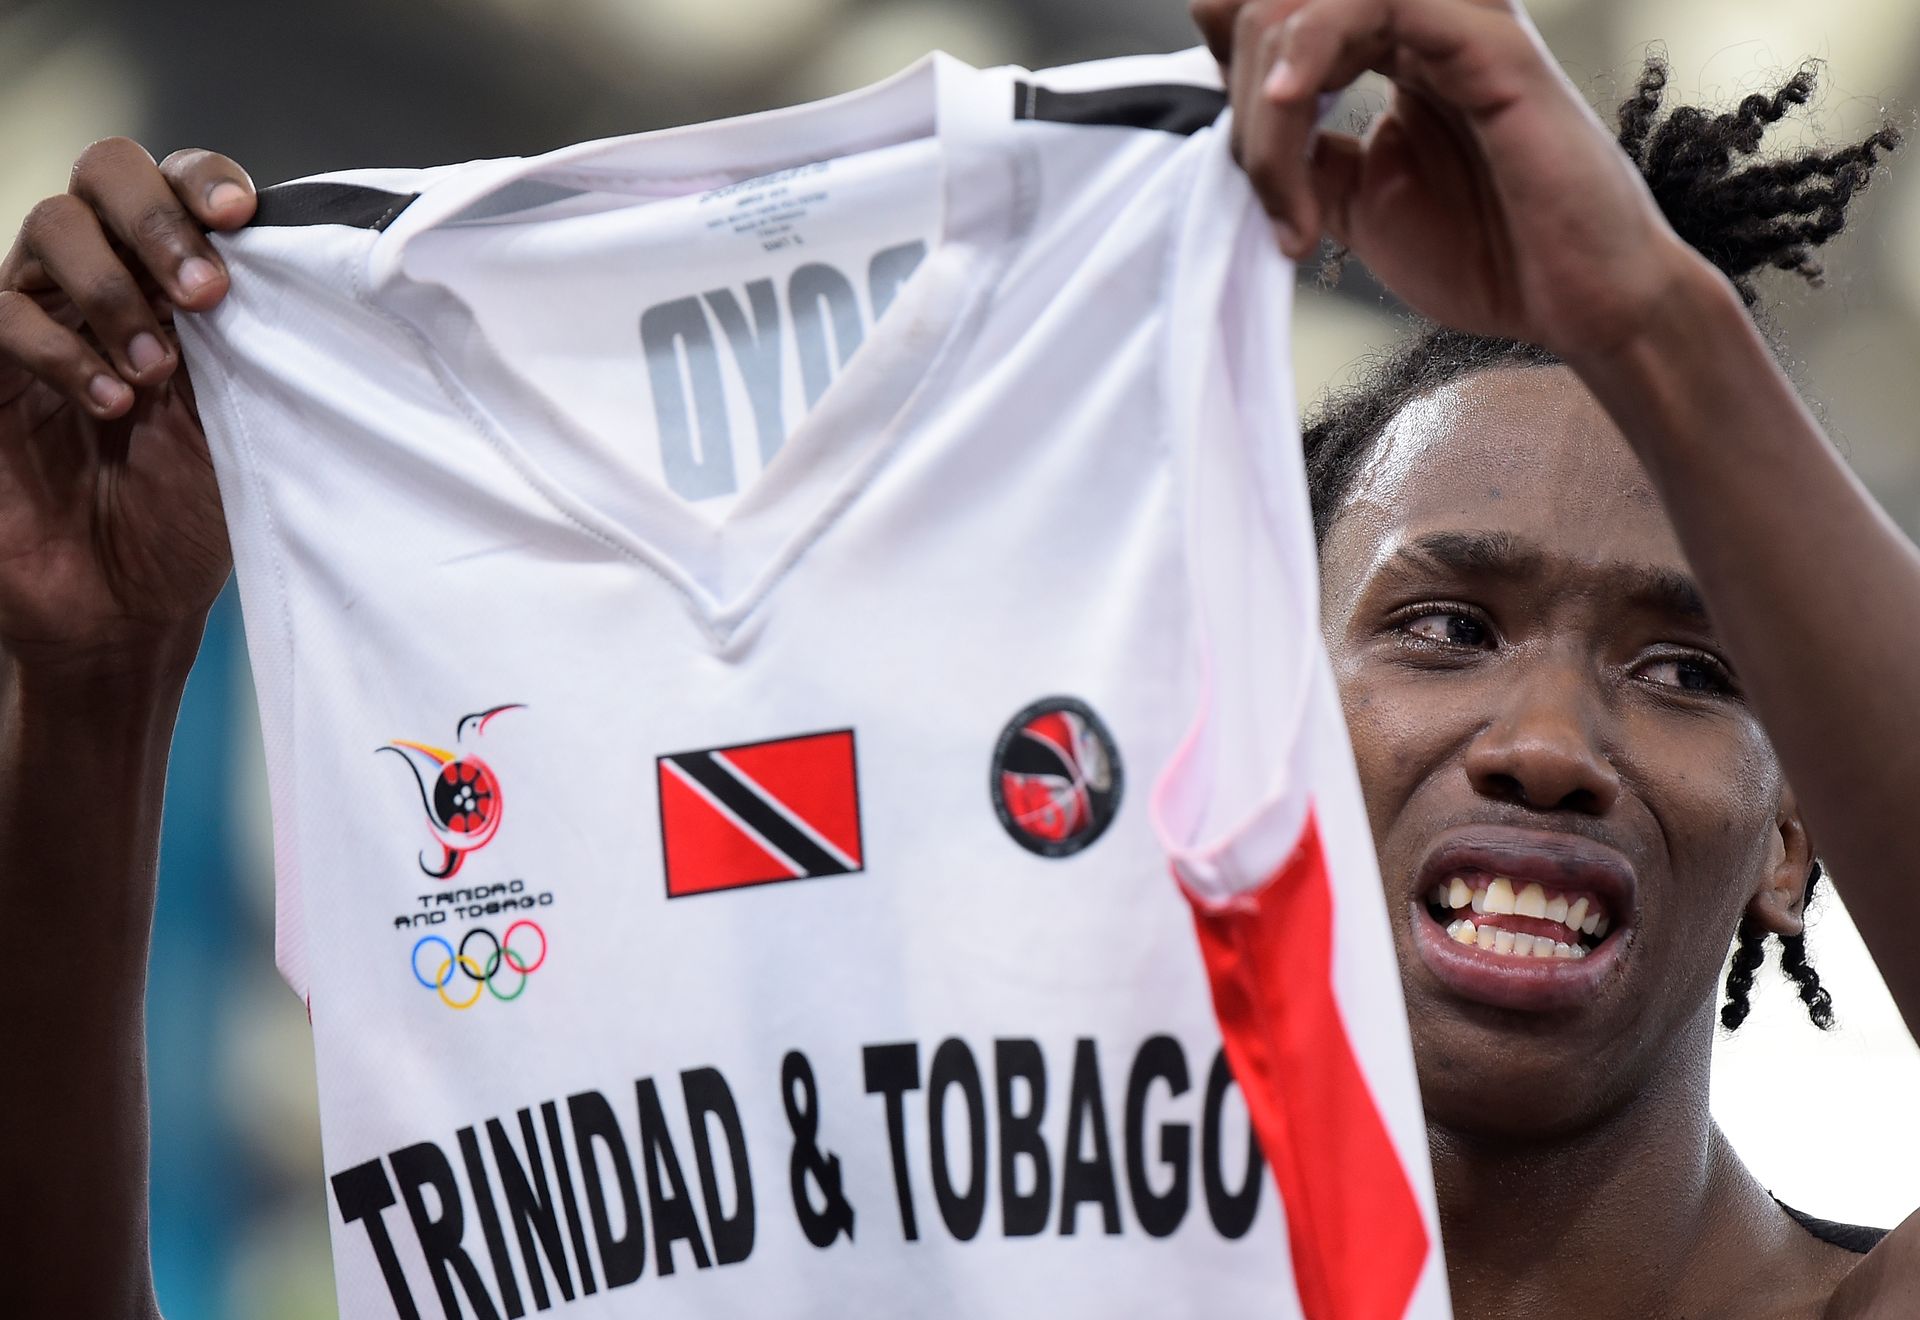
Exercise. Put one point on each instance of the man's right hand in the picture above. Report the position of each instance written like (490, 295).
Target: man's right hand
(1488, 196)
(112, 545)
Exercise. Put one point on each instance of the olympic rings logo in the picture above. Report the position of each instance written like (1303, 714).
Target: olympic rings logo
(485, 974)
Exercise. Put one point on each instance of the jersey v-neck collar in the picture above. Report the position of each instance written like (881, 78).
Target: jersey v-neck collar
(726, 569)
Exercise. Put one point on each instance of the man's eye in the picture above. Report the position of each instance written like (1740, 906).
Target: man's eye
(1449, 626)
(1689, 673)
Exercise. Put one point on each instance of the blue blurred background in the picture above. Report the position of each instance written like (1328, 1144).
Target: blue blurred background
(239, 1212)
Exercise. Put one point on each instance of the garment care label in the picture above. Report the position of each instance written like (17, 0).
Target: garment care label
(772, 208)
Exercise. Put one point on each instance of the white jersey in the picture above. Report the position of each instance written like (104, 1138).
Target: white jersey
(721, 601)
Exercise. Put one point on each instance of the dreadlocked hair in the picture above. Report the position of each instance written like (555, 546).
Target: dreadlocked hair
(1744, 214)
(1750, 952)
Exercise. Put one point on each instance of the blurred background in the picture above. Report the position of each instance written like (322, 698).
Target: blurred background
(239, 1213)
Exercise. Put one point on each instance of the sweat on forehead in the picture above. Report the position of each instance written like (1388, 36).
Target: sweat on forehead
(1523, 451)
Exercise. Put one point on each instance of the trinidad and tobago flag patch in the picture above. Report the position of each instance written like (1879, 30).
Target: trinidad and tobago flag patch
(755, 814)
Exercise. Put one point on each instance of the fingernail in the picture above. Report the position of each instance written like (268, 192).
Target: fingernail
(145, 353)
(106, 392)
(1286, 235)
(223, 195)
(196, 273)
(1279, 84)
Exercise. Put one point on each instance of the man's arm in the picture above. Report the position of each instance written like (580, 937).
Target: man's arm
(112, 550)
(1815, 590)
(83, 757)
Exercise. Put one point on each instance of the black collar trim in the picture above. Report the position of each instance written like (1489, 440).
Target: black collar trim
(289, 204)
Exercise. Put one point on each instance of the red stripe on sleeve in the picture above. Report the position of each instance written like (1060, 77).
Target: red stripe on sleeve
(1353, 1221)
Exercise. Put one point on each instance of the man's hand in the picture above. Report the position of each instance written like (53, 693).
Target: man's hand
(1488, 196)
(112, 546)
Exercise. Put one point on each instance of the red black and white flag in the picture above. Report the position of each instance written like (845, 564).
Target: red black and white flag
(755, 814)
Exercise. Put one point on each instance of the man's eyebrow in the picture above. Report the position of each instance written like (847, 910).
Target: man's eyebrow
(1502, 555)
(1480, 554)
(1666, 591)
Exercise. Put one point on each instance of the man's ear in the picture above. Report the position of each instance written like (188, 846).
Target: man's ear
(1778, 905)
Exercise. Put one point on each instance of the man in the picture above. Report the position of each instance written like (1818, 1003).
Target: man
(1488, 198)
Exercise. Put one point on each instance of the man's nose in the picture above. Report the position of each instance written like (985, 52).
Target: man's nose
(1543, 747)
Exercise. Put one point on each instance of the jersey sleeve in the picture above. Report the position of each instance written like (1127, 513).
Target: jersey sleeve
(264, 331)
(246, 505)
(1259, 810)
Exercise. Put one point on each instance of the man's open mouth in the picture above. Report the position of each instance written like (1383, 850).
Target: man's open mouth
(1521, 918)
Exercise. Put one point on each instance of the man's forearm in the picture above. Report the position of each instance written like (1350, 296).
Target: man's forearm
(1814, 589)
(83, 752)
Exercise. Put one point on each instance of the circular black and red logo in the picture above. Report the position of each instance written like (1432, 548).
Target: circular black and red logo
(1056, 777)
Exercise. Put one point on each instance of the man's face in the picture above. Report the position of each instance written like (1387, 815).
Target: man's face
(1572, 804)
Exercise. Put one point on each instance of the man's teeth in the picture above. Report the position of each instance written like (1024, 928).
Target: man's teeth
(1506, 941)
(1579, 913)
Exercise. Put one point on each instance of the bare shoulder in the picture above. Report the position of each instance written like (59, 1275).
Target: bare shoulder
(1885, 1285)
